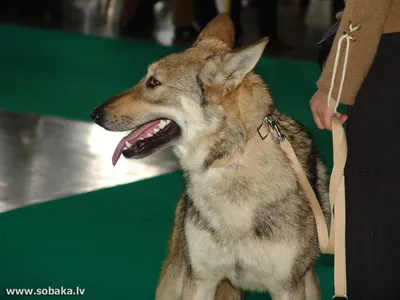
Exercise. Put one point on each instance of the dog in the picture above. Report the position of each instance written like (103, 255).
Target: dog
(243, 226)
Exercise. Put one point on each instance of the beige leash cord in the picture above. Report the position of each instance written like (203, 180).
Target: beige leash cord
(333, 243)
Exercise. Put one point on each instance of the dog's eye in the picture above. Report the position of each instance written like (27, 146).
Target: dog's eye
(152, 82)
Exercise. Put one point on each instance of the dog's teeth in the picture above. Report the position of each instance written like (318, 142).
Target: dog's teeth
(156, 130)
(127, 144)
(140, 139)
(163, 123)
(149, 135)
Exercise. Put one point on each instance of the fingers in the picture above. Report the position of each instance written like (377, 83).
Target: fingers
(325, 115)
(316, 116)
(317, 121)
(322, 112)
(343, 118)
(323, 119)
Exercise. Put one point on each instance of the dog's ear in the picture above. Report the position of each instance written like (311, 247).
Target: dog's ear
(220, 29)
(239, 63)
(229, 69)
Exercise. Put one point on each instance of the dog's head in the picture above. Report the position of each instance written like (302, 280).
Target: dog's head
(180, 95)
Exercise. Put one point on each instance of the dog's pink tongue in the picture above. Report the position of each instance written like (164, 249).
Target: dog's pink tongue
(118, 150)
(132, 138)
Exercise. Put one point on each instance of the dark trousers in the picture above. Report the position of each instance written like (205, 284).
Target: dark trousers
(372, 177)
(205, 11)
(337, 5)
(267, 17)
(25, 10)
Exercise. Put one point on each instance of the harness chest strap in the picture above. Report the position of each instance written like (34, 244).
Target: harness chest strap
(333, 243)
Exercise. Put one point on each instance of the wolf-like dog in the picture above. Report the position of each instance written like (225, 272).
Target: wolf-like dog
(244, 226)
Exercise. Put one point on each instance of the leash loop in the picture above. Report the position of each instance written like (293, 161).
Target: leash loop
(346, 37)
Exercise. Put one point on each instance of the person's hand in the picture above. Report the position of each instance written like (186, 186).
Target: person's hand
(322, 113)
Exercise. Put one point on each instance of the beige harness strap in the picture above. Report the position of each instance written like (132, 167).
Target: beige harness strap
(333, 243)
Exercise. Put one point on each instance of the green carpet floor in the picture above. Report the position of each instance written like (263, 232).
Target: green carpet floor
(110, 242)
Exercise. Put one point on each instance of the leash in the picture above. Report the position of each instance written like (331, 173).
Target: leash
(337, 183)
(334, 241)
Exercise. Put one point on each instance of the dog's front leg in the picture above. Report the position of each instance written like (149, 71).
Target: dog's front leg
(312, 286)
(198, 289)
(170, 284)
(295, 292)
(307, 289)
(171, 279)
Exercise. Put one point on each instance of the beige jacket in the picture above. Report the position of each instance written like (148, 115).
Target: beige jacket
(374, 18)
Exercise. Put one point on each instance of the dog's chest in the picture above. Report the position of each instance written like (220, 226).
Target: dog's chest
(248, 263)
(220, 230)
(225, 203)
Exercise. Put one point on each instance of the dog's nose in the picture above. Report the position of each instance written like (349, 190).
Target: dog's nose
(97, 115)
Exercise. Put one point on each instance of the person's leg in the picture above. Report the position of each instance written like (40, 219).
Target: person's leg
(183, 20)
(267, 14)
(372, 177)
(182, 13)
(236, 15)
(205, 11)
(145, 17)
(128, 10)
(304, 4)
(303, 7)
(337, 5)
(137, 18)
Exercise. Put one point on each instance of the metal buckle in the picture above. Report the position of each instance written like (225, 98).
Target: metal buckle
(273, 123)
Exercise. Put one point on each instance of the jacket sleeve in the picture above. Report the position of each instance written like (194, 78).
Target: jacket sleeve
(371, 16)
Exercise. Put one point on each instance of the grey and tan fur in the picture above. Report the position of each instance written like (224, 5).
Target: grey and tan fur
(246, 226)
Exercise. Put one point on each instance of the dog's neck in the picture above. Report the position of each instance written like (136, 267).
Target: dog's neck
(236, 127)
